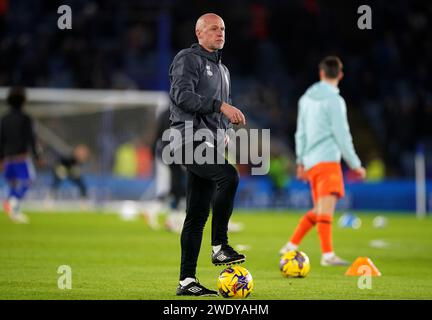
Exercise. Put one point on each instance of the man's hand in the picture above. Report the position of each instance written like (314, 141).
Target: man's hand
(233, 114)
(360, 173)
(301, 173)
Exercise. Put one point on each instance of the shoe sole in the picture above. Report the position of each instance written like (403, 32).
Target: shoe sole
(229, 263)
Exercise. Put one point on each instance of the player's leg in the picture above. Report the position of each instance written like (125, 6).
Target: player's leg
(23, 173)
(177, 184)
(226, 179)
(307, 222)
(79, 182)
(12, 199)
(175, 219)
(10, 177)
(325, 208)
(57, 180)
(223, 202)
(198, 198)
(23, 186)
(330, 189)
(26, 176)
(158, 205)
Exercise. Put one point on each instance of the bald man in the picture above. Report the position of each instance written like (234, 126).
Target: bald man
(200, 98)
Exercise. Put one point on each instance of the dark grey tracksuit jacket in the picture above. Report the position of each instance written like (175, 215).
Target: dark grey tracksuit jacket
(199, 85)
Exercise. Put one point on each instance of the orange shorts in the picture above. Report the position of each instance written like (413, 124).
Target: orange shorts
(326, 179)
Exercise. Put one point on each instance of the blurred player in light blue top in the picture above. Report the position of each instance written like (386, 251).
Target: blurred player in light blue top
(323, 133)
(322, 139)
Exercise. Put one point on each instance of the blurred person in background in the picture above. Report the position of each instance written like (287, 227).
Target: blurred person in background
(170, 182)
(322, 138)
(376, 168)
(17, 142)
(279, 173)
(68, 167)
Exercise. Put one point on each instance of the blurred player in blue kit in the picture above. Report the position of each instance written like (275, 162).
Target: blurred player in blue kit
(17, 143)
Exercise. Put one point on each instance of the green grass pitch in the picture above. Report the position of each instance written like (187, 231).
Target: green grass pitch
(115, 259)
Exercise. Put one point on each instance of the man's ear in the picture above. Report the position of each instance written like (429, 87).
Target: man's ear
(341, 75)
(197, 33)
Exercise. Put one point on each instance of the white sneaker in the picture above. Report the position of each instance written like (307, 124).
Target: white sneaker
(174, 221)
(19, 218)
(288, 247)
(151, 219)
(13, 210)
(333, 260)
(235, 226)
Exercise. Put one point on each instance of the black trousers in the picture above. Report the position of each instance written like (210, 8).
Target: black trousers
(207, 185)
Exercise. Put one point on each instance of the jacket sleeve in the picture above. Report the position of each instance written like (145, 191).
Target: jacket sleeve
(184, 76)
(341, 132)
(300, 136)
